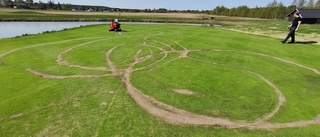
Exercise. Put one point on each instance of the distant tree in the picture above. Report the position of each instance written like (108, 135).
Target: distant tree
(280, 4)
(295, 2)
(273, 4)
(317, 4)
(310, 4)
(66, 6)
(301, 3)
(219, 10)
(59, 6)
(253, 12)
(147, 10)
(163, 10)
(1, 3)
(280, 12)
(243, 11)
(275, 10)
(232, 12)
(50, 4)
(29, 2)
(42, 5)
(18, 2)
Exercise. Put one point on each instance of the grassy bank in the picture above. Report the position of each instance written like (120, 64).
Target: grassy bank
(45, 15)
(277, 28)
(63, 84)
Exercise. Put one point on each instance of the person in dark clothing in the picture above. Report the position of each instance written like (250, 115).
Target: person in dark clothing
(117, 25)
(118, 28)
(293, 28)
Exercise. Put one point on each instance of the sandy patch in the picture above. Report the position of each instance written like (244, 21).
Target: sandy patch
(318, 118)
(16, 116)
(183, 91)
(103, 104)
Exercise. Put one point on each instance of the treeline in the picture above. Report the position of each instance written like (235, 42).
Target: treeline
(30, 4)
(258, 12)
(273, 10)
(164, 10)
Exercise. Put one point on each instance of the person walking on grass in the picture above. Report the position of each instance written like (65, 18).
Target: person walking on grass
(293, 28)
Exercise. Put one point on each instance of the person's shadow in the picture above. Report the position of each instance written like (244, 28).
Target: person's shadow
(305, 42)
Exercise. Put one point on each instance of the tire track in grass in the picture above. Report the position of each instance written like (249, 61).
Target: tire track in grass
(45, 75)
(43, 44)
(63, 62)
(106, 114)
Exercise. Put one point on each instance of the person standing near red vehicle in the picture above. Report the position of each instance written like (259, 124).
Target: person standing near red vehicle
(113, 26)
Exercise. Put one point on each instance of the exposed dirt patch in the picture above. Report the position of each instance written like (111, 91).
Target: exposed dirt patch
(318, 118)
(16, 116)
(183, 91)
(103, 104)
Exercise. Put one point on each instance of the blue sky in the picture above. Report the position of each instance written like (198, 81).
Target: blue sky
(174, 4)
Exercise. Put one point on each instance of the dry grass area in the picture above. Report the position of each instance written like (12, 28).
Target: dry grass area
(278, 34)
(180, 15)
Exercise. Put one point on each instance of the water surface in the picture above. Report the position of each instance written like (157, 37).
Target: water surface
(13, 29)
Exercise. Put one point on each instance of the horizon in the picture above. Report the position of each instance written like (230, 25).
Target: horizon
(173, 5)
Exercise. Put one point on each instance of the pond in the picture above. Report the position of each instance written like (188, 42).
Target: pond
(14, 29)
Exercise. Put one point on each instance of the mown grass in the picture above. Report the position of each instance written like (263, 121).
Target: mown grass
(35, 106)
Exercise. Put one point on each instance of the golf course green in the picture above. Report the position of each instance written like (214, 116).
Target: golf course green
(158, 80)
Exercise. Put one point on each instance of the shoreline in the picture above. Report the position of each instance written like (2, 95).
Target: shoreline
(108, 20)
